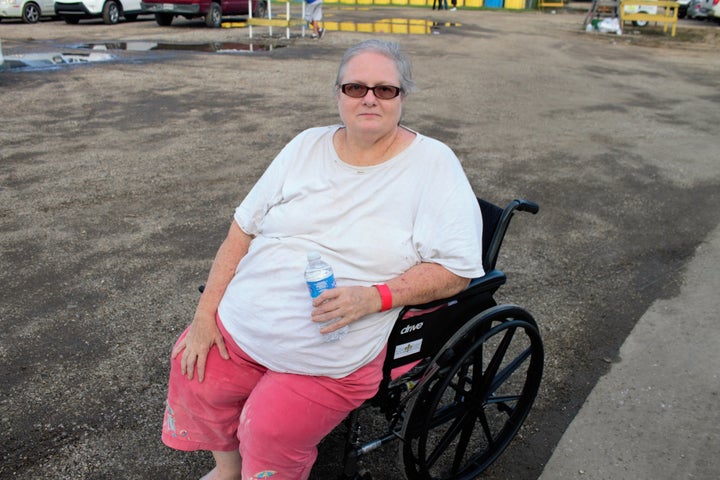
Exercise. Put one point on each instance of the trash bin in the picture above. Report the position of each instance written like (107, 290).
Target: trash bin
(494, 3)
(515, 4)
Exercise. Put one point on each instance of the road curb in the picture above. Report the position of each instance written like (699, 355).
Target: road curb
(654, 415)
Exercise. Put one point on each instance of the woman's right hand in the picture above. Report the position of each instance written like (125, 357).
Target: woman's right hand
(201, 337)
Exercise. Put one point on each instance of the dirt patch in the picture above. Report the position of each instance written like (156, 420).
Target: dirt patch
(118, 181)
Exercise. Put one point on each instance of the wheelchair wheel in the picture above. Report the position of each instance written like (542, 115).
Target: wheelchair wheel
(465, 415)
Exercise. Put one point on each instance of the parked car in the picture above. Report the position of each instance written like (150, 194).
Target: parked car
(716, 10)
(30, 11)
(683, 8)
(700, 9)
(72, 11)
(211, 10)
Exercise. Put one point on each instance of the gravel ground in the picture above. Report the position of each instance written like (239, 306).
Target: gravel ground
(118, 181)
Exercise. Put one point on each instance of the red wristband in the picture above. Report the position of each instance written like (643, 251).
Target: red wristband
(385, 296)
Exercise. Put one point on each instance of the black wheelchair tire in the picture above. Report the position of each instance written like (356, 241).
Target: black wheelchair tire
(462, 419)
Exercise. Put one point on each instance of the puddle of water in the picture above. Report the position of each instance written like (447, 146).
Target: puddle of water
(51, 59)
(99, 53)
(398, 26)
(209, 47)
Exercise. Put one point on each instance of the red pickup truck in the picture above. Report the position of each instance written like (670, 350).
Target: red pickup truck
(211, 10)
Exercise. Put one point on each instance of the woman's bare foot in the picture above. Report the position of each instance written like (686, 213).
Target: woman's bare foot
(228, 467)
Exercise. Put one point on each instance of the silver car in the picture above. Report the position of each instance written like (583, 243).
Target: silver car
(700, 9)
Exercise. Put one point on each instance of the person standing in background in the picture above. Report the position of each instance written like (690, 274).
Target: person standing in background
(313, 15)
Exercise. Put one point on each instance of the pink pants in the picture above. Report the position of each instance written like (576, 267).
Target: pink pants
(275, 419)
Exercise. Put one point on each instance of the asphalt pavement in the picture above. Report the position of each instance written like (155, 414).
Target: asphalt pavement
(656, 414)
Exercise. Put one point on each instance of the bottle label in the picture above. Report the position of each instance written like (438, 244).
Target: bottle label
(319, 286)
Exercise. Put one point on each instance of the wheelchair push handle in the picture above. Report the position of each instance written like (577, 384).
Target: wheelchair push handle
(527, 206)
(497, 224)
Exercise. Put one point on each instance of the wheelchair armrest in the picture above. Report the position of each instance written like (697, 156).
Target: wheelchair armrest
(489, 282)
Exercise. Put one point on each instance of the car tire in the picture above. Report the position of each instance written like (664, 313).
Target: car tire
(31, 13)
(213, 17)
(164, 19)
(111, 12)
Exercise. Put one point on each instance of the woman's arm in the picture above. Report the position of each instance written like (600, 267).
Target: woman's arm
(422, 283)
(204, 332)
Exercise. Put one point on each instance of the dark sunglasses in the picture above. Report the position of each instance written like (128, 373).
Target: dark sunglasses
(383, 92)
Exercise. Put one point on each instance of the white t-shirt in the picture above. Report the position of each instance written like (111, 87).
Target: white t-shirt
(370, 224)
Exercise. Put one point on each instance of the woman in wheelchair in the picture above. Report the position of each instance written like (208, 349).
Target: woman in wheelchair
(390, 209)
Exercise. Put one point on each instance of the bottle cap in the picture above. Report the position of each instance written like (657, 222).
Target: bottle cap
(312, 256)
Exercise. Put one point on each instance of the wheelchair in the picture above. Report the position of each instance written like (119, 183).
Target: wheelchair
(460, 376)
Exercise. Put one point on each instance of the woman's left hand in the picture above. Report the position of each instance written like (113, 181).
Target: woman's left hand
(346, 304)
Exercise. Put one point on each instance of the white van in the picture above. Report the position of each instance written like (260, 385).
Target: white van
(72, 11)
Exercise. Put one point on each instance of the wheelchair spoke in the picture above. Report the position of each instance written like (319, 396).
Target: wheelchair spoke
(462, 446)
(464, 412)
(502, 400)
(495, 362)
(450, 434)
(506, 372)
(486, 427)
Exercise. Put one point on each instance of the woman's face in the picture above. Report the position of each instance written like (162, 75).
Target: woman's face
(370, 114)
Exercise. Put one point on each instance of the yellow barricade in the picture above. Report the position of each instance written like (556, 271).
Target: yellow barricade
(667, 13)
(404, 3)
(402, 26)
(550, 4)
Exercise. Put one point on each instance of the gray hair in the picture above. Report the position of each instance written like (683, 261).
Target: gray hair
(389, 49)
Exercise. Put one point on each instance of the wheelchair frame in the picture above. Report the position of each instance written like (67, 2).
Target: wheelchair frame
(460, 376)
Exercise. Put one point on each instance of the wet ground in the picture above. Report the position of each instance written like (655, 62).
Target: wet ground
(118, 181)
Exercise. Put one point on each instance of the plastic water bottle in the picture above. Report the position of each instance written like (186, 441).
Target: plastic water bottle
(319, 277)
